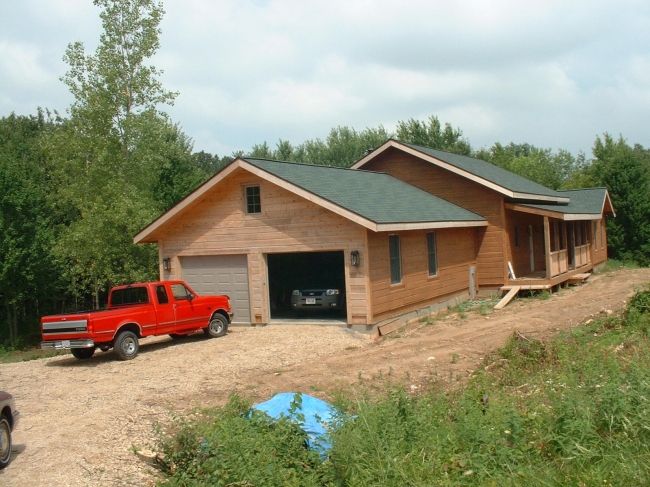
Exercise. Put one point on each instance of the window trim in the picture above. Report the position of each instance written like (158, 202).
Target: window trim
(432, 238)
(256, 203)
(397, 259)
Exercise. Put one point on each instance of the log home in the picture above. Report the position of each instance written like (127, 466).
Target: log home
(405, 228)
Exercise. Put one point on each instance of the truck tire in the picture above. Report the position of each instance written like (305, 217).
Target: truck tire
(5, 441)
(83, 353)
(218, 326)
(126, 345)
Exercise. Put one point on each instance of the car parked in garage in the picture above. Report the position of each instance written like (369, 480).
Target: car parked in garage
(8, 420)
(315, 299)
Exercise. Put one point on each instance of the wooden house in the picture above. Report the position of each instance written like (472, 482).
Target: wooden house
(403, 229)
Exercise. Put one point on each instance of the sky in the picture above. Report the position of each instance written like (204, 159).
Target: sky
(554, 74)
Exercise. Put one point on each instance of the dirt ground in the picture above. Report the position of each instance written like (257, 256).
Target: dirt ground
(81, 419)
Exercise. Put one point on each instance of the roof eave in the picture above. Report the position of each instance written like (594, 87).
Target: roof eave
(398, 227)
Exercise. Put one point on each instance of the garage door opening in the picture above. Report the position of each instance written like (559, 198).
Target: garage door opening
(307, 285)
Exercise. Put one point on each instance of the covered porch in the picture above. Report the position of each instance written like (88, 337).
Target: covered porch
(567, 252)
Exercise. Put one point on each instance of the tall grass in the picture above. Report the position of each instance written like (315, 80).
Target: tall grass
(571, 411)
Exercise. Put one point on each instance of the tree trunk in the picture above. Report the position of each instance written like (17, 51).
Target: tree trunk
(13, 324)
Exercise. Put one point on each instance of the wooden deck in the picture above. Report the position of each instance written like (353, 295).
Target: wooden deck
(537, 280)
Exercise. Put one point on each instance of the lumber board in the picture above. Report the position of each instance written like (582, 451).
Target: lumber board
(507, 298)
(390, 327)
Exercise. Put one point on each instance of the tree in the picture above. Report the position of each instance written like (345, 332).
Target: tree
(27, 277)
(116, 159)
(624, 171)
(432, 135)
(549, 169)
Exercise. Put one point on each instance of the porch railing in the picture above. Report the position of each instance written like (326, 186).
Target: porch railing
(560, 261)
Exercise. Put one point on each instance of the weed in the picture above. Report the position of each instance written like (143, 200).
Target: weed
(454, 358)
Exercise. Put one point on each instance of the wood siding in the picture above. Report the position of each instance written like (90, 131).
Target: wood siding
(456, 252)
(490, 241)
(218, 224)
(599, 241)
(519, 256)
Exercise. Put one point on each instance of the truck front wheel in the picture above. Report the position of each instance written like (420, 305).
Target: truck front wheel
(83, 353)
(218, 326)
(126, 345)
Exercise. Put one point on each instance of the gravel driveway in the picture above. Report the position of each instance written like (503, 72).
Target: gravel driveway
(81, 418)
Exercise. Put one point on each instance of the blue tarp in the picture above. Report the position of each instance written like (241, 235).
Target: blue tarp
(310, 413)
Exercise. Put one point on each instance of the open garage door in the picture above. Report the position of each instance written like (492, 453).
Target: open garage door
(221, 274)
(309, 285)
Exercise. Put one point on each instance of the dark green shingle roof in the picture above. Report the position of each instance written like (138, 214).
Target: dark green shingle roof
(378, 197)
(583, 201)
(489, 172)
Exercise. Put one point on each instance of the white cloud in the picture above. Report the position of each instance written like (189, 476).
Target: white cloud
(552, 73)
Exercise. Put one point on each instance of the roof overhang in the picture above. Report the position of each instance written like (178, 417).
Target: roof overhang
(450, 167)
(553, 214)
(146, 234)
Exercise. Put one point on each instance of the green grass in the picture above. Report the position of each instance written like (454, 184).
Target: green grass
(571, 411)
(12, 354)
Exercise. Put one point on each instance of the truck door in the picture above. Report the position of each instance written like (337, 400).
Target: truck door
(186, 314)
(165, 314)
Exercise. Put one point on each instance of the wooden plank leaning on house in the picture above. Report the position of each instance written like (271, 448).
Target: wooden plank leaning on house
(507, 298)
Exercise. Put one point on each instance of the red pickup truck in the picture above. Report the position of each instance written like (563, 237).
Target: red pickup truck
(137, 311)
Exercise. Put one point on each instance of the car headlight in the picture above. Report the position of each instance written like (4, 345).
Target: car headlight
(295, 292)
(332, 292)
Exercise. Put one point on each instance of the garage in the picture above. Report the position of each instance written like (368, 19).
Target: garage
(221, 274)
(307, 285)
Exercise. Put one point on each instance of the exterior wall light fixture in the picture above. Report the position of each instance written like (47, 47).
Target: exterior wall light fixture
(354, 258)
(166, 264)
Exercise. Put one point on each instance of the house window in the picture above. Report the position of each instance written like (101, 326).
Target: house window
(602, 234)
(431, 250)
(253, 201)
(516, 236)
(395, 259)
(594, 231)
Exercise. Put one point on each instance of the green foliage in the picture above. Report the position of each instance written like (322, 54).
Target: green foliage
(432, 135)
(344, 145)
(571, 411)
(26, 227)
(118, 161)
(549, 169)
(235, 445)
(625, 171)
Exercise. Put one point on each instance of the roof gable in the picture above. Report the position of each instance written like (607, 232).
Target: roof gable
(374, 200)
(505, 182)
(378, 197)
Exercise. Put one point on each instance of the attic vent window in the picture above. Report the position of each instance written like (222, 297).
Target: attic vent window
(253, 201)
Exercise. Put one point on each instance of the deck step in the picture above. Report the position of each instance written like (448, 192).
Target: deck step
(579, 278)
(508, 297)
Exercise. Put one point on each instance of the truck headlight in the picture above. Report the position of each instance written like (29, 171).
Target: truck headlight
(295, 292)
(332, 292)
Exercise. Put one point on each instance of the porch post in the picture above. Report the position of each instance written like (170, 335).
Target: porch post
(547, 246)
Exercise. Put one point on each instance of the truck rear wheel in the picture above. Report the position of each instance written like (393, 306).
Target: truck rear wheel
(126, 345)
(83, 353)
(218, 326)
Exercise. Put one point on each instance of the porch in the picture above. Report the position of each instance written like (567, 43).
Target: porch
(567, 251)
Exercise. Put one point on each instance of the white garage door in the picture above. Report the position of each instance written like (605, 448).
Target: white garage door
(221, 274)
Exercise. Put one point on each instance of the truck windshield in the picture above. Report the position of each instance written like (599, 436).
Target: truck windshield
(129, 295)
